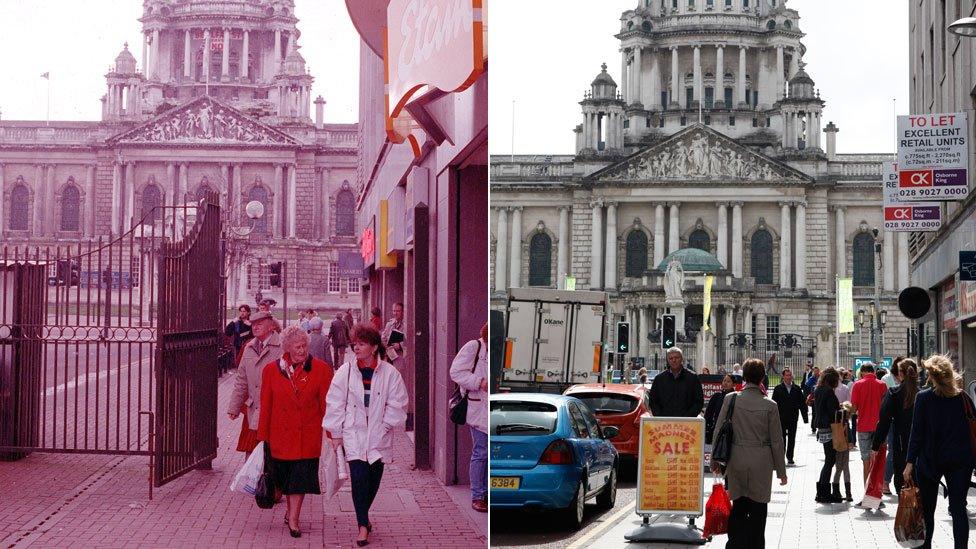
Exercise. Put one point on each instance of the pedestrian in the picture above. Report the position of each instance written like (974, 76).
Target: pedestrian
(757, 451)
(842, 391)
(705, 371)
(866, 397)
(715, 405)
(293, 403)
(339, 338)
(642, 375)
(318, 345)
(394, 351)
(891, 381)
(940, 447)
(895, 420)
(737, 369)
(350, 321)
(366, 404)
(791, 405)
(239, 330)
(809, 385)
(376, 319)
(842, 468)
(262, 350)
(825, 406)
(470, 371)
(303, 320)
(676, 392)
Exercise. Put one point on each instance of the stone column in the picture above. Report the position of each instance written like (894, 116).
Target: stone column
(501, 251)
(780, 92)
(637, 77)
(675, 78)
(794, 63)
(785, 249)
(611, 278)
(292, 201)
(562, 257)
(187, 54)
(840, 245)
(624, 80)
(245, 52)
(184, 184)
(155, 53)
(786, 128)
(747, 322)
(515, 271)
(659, 251)
(654, 94)
(596, 247)
(169, 189)
(279, 201)
(674, 236)
(206, 54)
(235, 195)
(130, 194)
(225, 59)
(642, 331)
(719, 93)
(801, 246)
(887, 260)
(904, 280)
(737, 239)
(729, 320)
(277, 50)
(90, 201)
(697, 72)
(741, 81)
(290, 46)
(117, 198)
(51, 219)
(145, 53)
(723, 234)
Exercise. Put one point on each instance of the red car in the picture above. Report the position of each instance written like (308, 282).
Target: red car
(617, 404)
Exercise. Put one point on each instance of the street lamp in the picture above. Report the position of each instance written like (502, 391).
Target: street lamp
(964, 27)
(254, 210)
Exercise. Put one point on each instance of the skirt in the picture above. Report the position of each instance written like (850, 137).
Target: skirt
(249, 437)
(298, 476)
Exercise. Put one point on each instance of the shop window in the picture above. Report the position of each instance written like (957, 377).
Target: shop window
(152, 197)
(700, 239)
(762, 257)
(70, 208)
(345, 214)
(540, 260)
(863, 251)
(636, 262)
(19, 207)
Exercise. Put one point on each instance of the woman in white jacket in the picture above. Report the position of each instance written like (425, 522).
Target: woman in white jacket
(470, 371)
(366, 401)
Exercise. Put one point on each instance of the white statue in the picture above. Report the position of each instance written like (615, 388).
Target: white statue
(674, 279)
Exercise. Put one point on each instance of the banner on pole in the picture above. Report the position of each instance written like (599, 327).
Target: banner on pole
(902, 216)
(845, 305)
(709, 280)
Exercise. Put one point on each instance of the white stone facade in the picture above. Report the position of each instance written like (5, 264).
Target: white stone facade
(761, 166)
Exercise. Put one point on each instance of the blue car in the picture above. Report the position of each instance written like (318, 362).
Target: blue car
(549, 452)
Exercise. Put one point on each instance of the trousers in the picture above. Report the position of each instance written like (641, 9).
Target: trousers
(957, 482)
(747, 524)
(789, 437)
(365, 480)
(478, 468)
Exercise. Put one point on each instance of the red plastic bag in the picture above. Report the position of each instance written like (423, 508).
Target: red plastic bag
(717, 510)
(872, 496)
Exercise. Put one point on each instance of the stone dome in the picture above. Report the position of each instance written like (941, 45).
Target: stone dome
(693, 260)
(603, 86)
(125, 63)
(294, 64)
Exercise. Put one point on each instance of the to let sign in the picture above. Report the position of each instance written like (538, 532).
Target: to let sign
(933, 152)
(670, 467)
(900, 215)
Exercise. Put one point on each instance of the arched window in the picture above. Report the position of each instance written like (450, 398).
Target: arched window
(700, 239)
(540, 260)
(19, 208)
(202, 191)
(70, 208)
(636, 253)
(345, 214)
(771, 25)
(762, 257)
(787, 25)
(151, 198)
(646, 25)
(863, 260)
(260, 194)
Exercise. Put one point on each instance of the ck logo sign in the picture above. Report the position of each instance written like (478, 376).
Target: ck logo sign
(901, 213)
(919, 178)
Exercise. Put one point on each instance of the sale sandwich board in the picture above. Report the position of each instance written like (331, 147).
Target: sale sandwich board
(671, 459)
(933, 154)
(906, 216)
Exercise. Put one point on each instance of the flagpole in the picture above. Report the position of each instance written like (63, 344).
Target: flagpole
(837, 320)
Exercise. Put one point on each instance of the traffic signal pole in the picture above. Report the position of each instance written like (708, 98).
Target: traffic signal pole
(284, 288)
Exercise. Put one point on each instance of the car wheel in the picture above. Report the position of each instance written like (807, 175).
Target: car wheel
(574, 513)
(608, 497)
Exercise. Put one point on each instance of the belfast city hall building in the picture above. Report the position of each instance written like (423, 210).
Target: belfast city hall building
(709, 147)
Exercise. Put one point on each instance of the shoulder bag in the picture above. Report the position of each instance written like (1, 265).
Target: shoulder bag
(838, 431)
(971, 420)
(722, 449)
(459, 401)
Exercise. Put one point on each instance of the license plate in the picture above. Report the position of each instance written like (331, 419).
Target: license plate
(505, 483)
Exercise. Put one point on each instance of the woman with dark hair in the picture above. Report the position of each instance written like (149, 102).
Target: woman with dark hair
(376, 318)
(366, 402)
(715, 405)
(757, 451)
(825, 406)
(897, 409)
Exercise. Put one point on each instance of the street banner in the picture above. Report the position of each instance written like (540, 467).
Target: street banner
(708, 300)
(906, 216)
(712, 383)
(671, 461)
(845, 305)
(571, 283)
(933, 152)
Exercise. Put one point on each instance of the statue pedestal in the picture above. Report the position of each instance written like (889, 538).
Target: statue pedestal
(676, 307)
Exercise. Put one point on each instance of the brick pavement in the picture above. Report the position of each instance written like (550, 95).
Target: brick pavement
(65, 500)
(796, 521)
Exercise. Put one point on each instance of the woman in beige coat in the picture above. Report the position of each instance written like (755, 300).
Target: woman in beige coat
(757, 451)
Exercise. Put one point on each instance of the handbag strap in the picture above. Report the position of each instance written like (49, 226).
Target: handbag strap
(731, 407)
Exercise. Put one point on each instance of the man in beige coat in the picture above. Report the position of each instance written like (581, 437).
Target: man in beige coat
(265, 347)
(757, 451)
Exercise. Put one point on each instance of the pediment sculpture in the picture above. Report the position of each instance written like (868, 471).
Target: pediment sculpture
(205, 121)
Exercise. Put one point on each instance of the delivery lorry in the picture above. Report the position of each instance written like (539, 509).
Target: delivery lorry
(553, 339)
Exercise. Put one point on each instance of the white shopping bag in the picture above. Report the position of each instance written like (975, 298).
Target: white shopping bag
(329, 479)
(246, 480)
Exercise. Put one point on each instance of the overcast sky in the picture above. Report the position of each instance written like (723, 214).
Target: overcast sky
(858, 67)
(77, 41)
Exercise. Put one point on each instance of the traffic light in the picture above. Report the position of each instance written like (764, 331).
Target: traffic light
(623, 337)
(668, 336)
(275, 277)
(69, 272)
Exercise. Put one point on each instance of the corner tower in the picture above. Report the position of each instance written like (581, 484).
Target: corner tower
(602, 130)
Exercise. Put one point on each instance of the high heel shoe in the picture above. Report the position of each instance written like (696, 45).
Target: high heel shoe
(295, 533)
(365, 542)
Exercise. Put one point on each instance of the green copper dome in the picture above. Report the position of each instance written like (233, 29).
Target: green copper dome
(693, 260)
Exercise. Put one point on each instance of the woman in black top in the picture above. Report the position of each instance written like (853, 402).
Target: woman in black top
(825, 405)
(896, 414)
(715, 405)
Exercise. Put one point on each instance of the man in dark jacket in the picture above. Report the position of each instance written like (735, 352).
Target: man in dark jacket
(339, 336)
(791, 403)
(676, 392)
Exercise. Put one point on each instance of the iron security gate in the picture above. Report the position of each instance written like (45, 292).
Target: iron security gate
(94, 340)
(779, 352)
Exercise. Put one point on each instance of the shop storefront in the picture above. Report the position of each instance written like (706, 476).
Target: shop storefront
(423, 209)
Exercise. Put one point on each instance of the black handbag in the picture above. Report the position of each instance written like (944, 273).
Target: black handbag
(264, 492)
(722, 449)
(459, 402)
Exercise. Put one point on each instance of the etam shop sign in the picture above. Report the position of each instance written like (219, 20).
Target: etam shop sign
(436, 43)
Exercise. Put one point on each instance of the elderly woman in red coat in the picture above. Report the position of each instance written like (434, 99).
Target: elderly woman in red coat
(293, 391)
